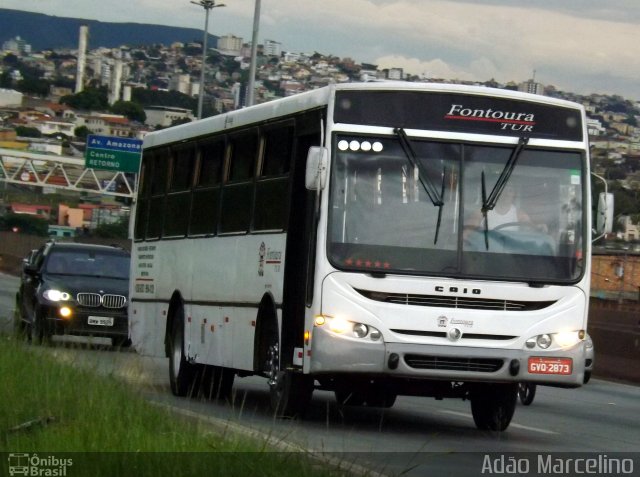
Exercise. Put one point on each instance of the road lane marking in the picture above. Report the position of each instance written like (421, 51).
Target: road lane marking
(517, 426)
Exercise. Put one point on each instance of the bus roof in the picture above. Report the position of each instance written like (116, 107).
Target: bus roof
(321, 97)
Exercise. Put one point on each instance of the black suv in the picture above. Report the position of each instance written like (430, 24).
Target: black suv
(72, 288)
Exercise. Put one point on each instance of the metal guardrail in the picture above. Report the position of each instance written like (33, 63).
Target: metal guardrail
(61, 172)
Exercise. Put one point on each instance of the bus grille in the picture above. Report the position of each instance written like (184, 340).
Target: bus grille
(469, 303)
(95, 300)
(476, 365)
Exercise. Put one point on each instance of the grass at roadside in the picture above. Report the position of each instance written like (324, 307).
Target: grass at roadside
(51, 408)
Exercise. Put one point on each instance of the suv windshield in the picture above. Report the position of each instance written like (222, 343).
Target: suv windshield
(89, 263)
(382, 218)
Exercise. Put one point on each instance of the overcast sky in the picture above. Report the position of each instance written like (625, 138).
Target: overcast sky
(583, 46)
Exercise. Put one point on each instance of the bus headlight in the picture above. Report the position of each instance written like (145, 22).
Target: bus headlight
(567, 339)
(344, 327)
(563, 339)
(543, 341)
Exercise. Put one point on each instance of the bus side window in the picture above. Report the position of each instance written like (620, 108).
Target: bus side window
(142, 205)
(206, 195)
(272, 188)
(158, 189)
(179, 198)
(237, 192)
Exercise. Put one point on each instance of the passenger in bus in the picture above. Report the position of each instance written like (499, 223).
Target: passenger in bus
(506, 211)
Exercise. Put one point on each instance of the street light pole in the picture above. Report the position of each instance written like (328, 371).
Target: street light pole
(207, 5)
(254, 54)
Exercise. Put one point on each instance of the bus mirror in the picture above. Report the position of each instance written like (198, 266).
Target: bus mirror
(316, 174)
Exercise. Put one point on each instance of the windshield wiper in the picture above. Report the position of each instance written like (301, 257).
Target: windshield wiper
(429, 187)
(488, 203)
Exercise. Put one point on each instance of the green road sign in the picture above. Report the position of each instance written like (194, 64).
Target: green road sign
(113, 154)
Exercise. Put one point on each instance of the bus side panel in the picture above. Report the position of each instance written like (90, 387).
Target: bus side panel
(147, 325)
(230, 276)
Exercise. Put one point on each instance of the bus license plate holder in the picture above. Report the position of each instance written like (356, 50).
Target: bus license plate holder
(541, 365)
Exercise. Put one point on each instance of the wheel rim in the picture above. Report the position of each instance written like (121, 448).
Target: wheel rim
(273, 364)
(176, 354)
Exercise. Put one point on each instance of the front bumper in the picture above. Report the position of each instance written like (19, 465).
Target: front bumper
(332, 354)
(78, 322)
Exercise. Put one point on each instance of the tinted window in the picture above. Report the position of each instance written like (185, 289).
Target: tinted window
(211, 161)
(88, 262)
(183, 162)
(236, 210)
(278, 144)
(243, 156)
(204, 211)
(271, 204)
(160, 166)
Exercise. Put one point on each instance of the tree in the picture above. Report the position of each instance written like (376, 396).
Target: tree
(81, 132)
(118, 229)
(89, 99)
(132, 110)
(23, 223)
(25, 131)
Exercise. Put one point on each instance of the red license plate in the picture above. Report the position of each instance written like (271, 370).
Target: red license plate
(539, 365)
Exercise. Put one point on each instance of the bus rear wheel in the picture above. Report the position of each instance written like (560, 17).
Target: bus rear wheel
(493, 405)
(182, 374)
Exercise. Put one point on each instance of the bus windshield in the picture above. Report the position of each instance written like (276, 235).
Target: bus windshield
(384, 219)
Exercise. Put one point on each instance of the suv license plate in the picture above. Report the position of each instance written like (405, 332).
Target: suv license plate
(101, 320)
(538, 365)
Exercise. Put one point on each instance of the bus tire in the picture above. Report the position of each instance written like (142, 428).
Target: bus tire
(290, 392)
(182, 374)
(526, 393)
(493, 405)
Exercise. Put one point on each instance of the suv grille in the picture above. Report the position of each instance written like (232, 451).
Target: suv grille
(95, 300)
(478, 365)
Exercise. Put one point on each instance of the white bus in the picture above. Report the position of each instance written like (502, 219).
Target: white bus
(357, 238)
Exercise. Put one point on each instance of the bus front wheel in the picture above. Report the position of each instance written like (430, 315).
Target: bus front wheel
(493, 405)
(182, 374)
(290, 392)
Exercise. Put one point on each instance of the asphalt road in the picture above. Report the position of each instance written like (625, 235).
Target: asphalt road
(415, 436)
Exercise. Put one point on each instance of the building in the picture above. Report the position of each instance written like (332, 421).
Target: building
(181, 83)
(531, 87)
(630, 231)
(272, 48)
(165, 115)
(230, 45)
(17, 46)
(10, 97)
(396, 74)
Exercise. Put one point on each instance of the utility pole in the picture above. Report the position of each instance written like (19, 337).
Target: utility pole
(254, 53)
(207, 5)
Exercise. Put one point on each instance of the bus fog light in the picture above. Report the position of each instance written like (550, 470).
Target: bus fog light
(544, 341)
(360, 330)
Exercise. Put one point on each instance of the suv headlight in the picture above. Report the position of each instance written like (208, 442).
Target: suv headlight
(56, 295)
